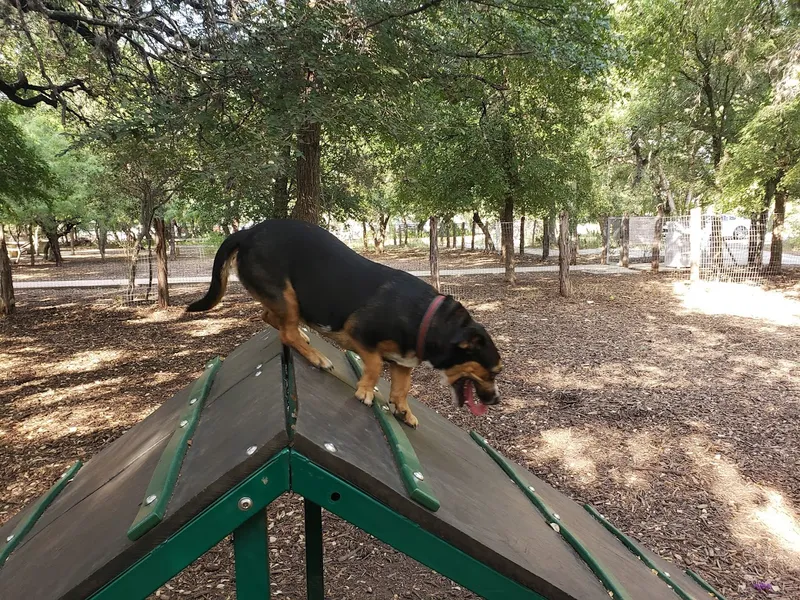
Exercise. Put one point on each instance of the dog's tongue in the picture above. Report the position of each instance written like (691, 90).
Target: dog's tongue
(476, 408)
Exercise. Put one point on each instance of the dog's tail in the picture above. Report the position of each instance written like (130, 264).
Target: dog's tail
(219, 275)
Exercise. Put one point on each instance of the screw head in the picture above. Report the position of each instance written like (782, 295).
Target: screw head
(150, 499)
(555, 527)
(557, 516)
(665, 573)
(530, 487)
(330, 447)
(245, 503)
(193, 400)
(259, 366)
(184, 423)
(251, 450)
(258, 373)
(418, 475)
(376, 389)
(9, 538)
(385, 407)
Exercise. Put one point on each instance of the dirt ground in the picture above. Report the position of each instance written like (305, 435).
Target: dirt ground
(675, 410)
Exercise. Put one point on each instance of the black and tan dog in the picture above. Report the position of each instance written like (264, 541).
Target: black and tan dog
(301, 273)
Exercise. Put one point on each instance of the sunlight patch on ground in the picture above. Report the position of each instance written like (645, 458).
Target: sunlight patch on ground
(203, 328)
(604, 376)
(52, 397)
(761, 517)
(485, 306)
(738, 300)
(88, 360)
(572, 449)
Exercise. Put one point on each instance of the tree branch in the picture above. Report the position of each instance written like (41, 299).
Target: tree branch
(421, 8)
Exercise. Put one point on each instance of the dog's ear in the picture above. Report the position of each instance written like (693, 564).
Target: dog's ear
(470, 337)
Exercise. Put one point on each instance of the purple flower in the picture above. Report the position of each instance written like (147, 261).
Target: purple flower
(762, 586)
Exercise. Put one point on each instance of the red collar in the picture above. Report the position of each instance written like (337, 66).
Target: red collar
(426, 323)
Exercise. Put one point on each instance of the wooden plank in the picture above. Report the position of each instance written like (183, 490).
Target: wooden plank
(239, 432)
(15, 536)
(482, 512)
(162, 483)
(86, 546)
(403, 452)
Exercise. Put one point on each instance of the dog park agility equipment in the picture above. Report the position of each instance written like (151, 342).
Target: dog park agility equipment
(263, 422)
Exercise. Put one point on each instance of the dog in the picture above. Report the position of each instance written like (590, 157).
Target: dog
(301, 273)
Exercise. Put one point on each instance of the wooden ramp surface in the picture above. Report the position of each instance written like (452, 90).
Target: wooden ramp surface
(80, 544)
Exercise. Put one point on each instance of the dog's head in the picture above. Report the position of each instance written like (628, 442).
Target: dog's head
(469, 359)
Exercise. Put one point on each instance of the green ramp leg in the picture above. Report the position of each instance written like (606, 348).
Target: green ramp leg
(165, 474)
(631, 545)
(251, 556)
(315, 582)
(351, 504)
(21, 530)
(201, 534)
(404, 456)
(609, 581)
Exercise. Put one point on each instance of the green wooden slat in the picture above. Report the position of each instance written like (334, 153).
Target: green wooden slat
(611, 583)
(634, 548)
(404, 456)
(251, 558)
(705, 585)
(162, 483)
(11, 541)
(351, 504)
(201, 534)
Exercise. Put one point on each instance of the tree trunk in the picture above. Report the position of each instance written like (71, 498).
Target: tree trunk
(102, 239)
(463, 234)
(778, 218)
(604, 236)
(161, 259)
(546, 238)
(379, 234)
(564, 284)
(657, 231)
(507, 236)
(624, 257)
(31, 245)
(55, 247)
(522, 235)
(364, 235)
(488, 242)
(7, 302)
(434, 255)
(280, 189)
(405, 232)
(758, 227)
(36, 239)
(130, 293)
(72, 241)
(573, 243)
(309, 179)
(172, 234)
(472, 243)
(446, 232)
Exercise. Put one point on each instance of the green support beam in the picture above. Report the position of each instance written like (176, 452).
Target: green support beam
(202, 533)
(351, 504)
(251, 557)
(634, 548)
(705, 585)
(162, 483)
(315, 582)
(403, 452)
(611, 583)
(11, 541)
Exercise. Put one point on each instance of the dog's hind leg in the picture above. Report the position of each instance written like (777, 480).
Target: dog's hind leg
(287, 317)
(269, 317)
(401, 385)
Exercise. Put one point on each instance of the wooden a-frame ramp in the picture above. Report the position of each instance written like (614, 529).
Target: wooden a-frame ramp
(209, 461)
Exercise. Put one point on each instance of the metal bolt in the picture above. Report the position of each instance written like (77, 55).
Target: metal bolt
(555, 527)
(330, 447)
(665, 573)
(150, 499)
(258, 373)
(251, 450)
(245, 503)
(376, 389)
(184, 423)
(193, 400)
(9, 538)
(530, 487)
(385, 407)
(259, 366)
(418, 475)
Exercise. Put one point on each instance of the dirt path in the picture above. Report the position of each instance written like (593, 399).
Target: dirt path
(677, 412)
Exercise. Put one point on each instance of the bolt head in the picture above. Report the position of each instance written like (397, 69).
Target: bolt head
(385, 407)
(9, 538)
(259, 366)
(557, 516)
(251, 450)
(330, 447)
(193, 400)
(150, 499)
(376, 389)
(418, 475)
(258, 373)
(530, 487)
(245, 503)
(184, 423)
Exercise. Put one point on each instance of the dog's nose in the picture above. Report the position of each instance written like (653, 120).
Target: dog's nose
(495, 399)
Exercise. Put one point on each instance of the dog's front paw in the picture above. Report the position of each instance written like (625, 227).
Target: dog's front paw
(408, 418)
(324, 363)
(366, 395)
